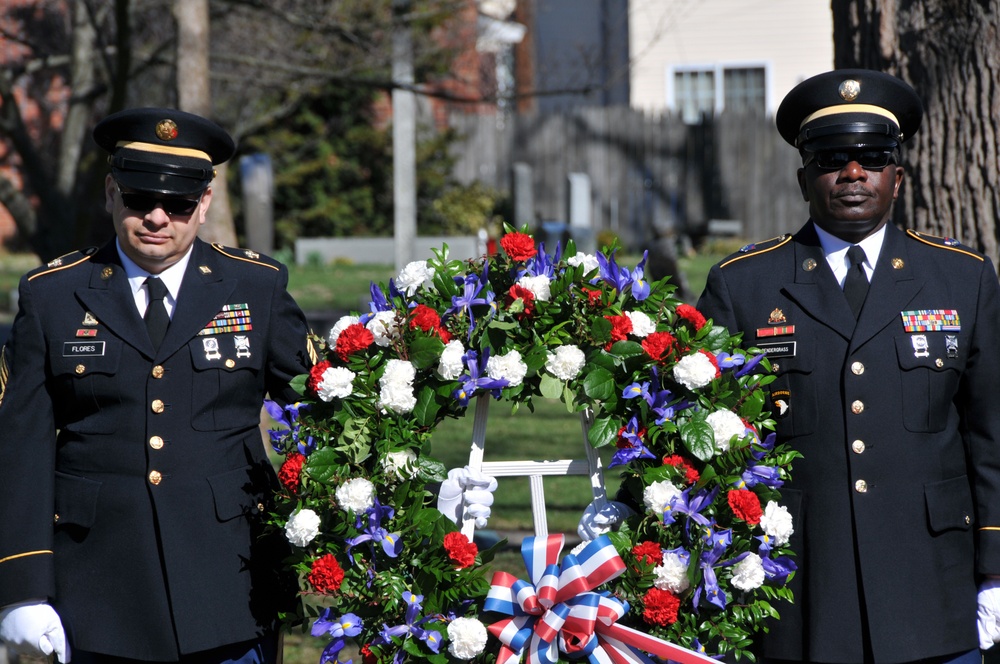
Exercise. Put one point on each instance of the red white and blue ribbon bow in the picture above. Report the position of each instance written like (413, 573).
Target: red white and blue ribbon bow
(558, 612)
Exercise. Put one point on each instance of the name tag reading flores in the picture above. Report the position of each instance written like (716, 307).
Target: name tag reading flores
(87, 349)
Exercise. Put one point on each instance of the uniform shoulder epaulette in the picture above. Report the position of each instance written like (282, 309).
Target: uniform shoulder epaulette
(757, 248)
(66, 261)
(951, 244)
(247, 255)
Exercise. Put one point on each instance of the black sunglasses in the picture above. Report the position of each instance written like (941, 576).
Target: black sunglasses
(172, 205)
(834, 160)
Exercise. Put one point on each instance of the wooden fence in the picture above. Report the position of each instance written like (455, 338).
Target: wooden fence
(651, 175)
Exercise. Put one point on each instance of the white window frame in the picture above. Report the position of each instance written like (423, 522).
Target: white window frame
(718, 71)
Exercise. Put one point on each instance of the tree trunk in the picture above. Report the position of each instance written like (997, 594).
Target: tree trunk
(194, 96)
(950, 53)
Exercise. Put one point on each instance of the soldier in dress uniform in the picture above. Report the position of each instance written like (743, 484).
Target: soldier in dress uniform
(885, 348)
(134, 474)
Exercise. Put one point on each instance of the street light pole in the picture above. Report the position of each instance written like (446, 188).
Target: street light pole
(404, 130)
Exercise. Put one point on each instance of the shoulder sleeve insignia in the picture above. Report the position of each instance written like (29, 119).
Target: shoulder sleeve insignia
(757, 248)
(940, 242)
(246, 255)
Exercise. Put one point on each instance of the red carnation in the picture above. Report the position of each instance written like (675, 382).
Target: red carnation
(711, 358)
(620, 328)
(326, 575)
(625, 443)
(691, 315)
(520, 301)
(316, 375)
(660, 607)
(354, 338)
(291, 470)
(367, 656)
(519, 246)
(691, 474)
(593, 295)
(461, 551)
(648, 552)
(657, 345)
(428, 320)
(745, 505)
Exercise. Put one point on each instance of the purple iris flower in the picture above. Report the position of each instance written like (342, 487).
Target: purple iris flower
(630, 445)
(727, 361)
(640, 287)
(476, 379)
(391, 543)
(710, 583)
(542, 264)
(611, 274)
(346, 625)
(749, 366)
(637, 390)
(288, 416)
(778, 569)
(691, 506)
(411, 626)
(663, 409)
(769, 476)
(759, 448)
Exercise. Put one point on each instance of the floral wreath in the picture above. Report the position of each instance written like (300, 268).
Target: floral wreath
(699, 561)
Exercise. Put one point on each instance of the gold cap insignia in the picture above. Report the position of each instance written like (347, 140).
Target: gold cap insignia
(849, 89)
(808, 265)
(166, 130)
(897, 263)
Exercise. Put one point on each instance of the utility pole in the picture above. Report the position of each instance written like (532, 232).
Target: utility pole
(404, 141)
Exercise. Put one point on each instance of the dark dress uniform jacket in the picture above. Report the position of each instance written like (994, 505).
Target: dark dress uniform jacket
(133, 481)
(896, 501)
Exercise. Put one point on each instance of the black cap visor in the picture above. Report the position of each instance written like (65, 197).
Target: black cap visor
(171, 175)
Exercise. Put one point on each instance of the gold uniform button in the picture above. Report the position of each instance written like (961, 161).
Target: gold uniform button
(858, 446)
(55, 518)
(260, 507)
(155, 477)
(230, 363)
(157, 371)
(939, 363)
(858, 407)
(968, 519)
(157, 406)
(861, 486)
(857, 368)
(80, 369)
(156, 443)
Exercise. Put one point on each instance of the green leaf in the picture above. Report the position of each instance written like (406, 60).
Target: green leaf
(299, 383)
(322, 465)
(626, 349)
(550, 386)
(425, 351)
(699, 438)
(599, 384)
(603, 432)
(427, 407)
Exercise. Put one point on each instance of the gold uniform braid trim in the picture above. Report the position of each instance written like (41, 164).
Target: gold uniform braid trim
(57, 265)
(4, 372)
(784, 240)
(24, 555)
(313, 355)
(920, 238)
(249, 254)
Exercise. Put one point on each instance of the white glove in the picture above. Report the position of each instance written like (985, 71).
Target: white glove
(989, 613)
(596, 522)
(34, 629)
(467, 490)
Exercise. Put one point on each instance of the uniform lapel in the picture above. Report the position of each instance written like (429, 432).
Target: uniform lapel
(894, 285)
(203, 294)
(109, 298)
(814, 288)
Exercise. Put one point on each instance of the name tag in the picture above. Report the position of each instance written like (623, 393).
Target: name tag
(786, 349)
(78, 349)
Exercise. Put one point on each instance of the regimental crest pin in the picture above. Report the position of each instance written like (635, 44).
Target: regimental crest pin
(89, 319)
(777, 317)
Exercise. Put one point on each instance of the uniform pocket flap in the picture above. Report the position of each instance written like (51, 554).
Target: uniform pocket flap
(76, 500)
(949, 504)
(925, 350)
(231, 491)
(85, 356)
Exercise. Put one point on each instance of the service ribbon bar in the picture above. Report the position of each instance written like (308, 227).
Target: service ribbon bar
(232, 318)
(931, 320)
(779, 331)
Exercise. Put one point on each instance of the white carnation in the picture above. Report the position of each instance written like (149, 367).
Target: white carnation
(672, 574)
(566, 362)
(725, 424)
(748, 573)
(658, 495)
(396, 383)
(467, 637)
(413, 276)
(302, 527)
(451, 366)
(357, 494)
(383, 327)
(777, 523)
(642, 325)
(336, 383)
(401, 465)
(694, 371)
(338, 327)
(588, 262)
(509, 366)
(539, 286)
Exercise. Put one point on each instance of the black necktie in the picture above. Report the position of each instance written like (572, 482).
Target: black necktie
(156, 316)
(856, 283)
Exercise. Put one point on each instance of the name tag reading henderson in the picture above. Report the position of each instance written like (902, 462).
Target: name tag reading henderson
(786, 349)
(77, 349)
